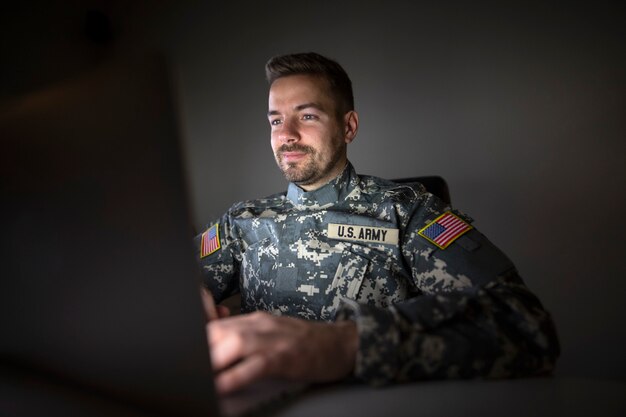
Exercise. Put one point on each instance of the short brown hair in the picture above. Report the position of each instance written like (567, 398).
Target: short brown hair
(312, 63)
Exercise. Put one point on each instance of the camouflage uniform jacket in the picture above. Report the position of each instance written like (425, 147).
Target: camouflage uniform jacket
(352, 250)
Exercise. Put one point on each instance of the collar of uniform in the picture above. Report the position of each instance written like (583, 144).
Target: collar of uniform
(336, 190)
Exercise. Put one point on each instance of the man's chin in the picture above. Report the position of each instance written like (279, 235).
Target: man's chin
(296, 176)
(298, 180)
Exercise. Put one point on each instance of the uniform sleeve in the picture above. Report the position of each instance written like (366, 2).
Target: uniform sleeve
(218, 251)
(473, 317)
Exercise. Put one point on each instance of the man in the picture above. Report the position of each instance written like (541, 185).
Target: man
(348, 275)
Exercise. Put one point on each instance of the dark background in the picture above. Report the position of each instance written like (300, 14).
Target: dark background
(519, 106)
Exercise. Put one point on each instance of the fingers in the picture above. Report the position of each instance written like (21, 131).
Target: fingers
(242, 374)
(222, 311)
(211, 310)
(209, 305)
(227, 345)
(240, 339)
(237, 337)
(247, 348)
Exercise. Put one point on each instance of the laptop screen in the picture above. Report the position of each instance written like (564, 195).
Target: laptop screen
(99, 282)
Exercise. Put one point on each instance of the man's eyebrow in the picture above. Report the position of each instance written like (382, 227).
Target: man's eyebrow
(309, 105)
(299, 107)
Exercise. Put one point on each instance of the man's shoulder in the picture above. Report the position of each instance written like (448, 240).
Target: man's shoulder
(388, 189)
(259, 204)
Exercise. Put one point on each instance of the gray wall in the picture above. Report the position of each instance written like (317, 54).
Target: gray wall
(520, 108)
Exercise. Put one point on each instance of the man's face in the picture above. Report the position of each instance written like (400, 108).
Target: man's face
(308, 139)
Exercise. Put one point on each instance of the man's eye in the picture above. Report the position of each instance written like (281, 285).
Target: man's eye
(275, 122)
(309, 117)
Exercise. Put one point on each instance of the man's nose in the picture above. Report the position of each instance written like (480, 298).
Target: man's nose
(288, 131)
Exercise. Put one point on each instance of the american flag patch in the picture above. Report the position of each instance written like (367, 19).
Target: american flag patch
(210, 241)
(444, 230)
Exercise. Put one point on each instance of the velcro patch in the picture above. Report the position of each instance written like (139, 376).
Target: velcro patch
(210, 241)
(445, 229)
(363, 233)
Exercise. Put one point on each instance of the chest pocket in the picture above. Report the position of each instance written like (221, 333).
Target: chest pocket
(349, 275)
(369, 277)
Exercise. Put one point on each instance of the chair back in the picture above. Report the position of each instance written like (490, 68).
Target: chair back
(434, 184)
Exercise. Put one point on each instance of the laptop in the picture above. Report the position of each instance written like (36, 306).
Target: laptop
(99, 299)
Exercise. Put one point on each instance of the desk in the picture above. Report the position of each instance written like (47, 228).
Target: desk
(533, 397)
(536, 397)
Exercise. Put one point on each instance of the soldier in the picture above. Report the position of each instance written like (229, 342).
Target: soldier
(347, 275)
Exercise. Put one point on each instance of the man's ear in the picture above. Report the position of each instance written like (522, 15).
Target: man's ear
(351, 125)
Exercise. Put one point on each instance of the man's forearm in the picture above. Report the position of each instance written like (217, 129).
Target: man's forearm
(500, 331)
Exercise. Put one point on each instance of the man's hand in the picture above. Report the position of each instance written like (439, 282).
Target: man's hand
(249, 347)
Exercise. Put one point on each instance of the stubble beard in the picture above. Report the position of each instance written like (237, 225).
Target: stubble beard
(308, 171)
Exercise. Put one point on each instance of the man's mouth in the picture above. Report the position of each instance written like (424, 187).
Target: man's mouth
(292, 156)
(293, 153)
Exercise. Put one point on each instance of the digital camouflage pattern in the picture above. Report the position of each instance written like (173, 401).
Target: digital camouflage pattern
(421, 311)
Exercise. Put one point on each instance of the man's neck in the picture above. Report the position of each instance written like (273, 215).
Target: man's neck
(333, 191)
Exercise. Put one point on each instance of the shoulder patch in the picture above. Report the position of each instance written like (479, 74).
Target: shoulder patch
(210, 241)
(445, 229)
